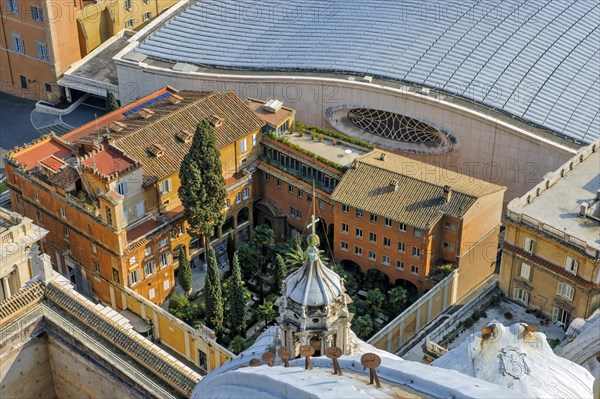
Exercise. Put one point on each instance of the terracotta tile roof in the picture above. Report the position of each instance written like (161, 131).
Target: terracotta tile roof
(418, 201)
(141, 229)
(42, 150)
(33, 293)
(108, 161)
(581, 282)
(126, 339)
(164, 127)
(64, 177)
(53, 163)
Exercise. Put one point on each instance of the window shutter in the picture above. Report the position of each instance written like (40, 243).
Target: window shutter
(555, 311)
(560, 288)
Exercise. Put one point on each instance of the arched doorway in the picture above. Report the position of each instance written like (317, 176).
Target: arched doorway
(351, 267)
(376, 279)
(242, 216)
(410, 287)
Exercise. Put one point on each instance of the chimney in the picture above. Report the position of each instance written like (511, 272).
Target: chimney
(447, 194)
(382, 156)
(394, 185)
(174, 99)
(583, 209)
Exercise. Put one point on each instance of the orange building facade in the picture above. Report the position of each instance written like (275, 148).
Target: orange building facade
(107, 192)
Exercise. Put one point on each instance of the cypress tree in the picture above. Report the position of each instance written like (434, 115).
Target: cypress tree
(111, 102)
(214, 299)
(281, 272)
(237, 305)
(185, 272)
(202, 191)
(230, 248)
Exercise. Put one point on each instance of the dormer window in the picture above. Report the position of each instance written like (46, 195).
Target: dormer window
(174, 99)
(117, 126)
(184, 136)
(156, 150)
(145, 113)
(215, 120)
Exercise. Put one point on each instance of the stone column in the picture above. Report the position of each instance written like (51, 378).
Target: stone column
(6, 287)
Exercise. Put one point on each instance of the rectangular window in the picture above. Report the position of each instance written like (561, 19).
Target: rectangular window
(414, 270)
(372, 256)
(521, 295)
(571, 265)
(399, 265)
(388, 222)
(385, 260)
(66, 232)
(63, 213)
(48, 87)
(359, 213)
(358, 233)
(298, 214)
(132, 260)
(525, 270)
(449, 226)
(416, 252)
(321, 205)
(529, 245)
(146, 16)
(345, 228)
(151, 293)
(12, 6)
(134, 277)
(242, 146)
(36, 196)
(344, 245)
(560, 315)
(402, 227)
(278, 183)
(387, 242)
(166, 285)
(267, 177)
(246, 193)
(129, 23)
(401, 247)
(41, 51)
(115, 274)
(163, 243)
(148, 251)
(165, 259)
(345, 208)
(417, 232)
(292, 210)
(372, 237)
(254, 140)
(165, 187)
(448, 246)
(373, 218)
(68, 248)
(121, 188)
(23, 81)
(36, 14)
(309, 198)
(94, 249)
(300, 194)
(140, 208)
(565, 290)
(96, 266)
(127, 5)
(290, 189)
(357, 250)
(238, 198)
(150, 268)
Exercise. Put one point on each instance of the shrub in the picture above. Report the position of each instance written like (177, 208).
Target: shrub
(301, 127)
(508, 315)
(468, 322)
(495, 299)
(553, 342)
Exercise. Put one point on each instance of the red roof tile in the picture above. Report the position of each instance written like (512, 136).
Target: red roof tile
(109, 161)
(141, 230)
(42, 150)
(53, 163)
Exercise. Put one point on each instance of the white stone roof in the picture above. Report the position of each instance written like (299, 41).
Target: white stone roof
(522, 363)
(314, 284)
(585, 344)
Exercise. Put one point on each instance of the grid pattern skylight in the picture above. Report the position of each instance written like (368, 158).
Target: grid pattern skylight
(538, 60)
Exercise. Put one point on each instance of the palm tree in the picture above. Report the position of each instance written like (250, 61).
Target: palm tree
(296, 256)
(266, 311)
(397, 298)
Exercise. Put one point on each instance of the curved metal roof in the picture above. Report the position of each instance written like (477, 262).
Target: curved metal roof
(537, 60)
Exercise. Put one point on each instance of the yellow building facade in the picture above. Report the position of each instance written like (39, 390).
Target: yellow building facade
(551, 255)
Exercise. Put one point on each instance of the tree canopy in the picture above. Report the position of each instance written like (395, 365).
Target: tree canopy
(236, 300)
(185, 272)
(214, 299)
(280, 273)
(111, 102)
(251, 260)
(202, 191)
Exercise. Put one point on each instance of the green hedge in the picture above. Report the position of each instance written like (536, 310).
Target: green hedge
(309, 153)
(340, 136)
